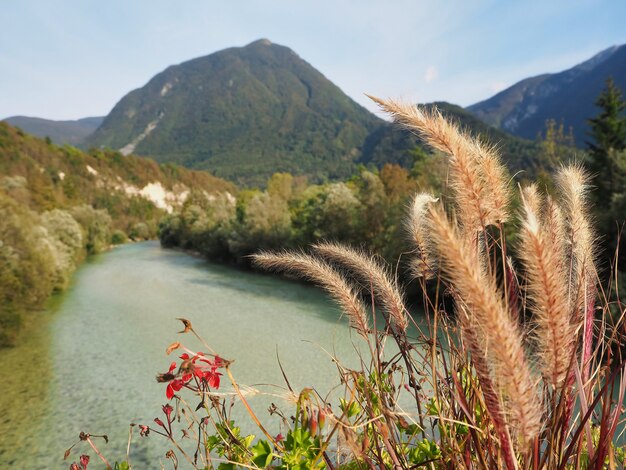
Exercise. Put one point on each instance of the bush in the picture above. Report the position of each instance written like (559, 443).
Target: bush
(140, 231)
(118, 237)
(96, 227)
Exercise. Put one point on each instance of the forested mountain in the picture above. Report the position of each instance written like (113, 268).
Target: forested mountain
(60, 132)
(243, 113)
(567, 97)
(389, 144)
(58, 204)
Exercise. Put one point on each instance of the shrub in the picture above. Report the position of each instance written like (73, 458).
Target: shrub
(118, 237)
(96, 226)
(140, 231)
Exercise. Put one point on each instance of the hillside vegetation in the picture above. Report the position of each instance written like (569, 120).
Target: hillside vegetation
(243, 113)
(58, 205)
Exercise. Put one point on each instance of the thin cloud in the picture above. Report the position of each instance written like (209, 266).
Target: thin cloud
(432, 73)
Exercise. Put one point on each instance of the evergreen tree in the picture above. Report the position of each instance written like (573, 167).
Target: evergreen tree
(608, 132)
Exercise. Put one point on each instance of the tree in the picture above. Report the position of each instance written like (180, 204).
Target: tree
(608, 132)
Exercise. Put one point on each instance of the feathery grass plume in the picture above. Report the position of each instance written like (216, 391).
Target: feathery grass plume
(479, 294)
(423, 265)
(496, 179)
(373, 272)
(477, 176)
(547, 292)
(573, 184)
(322, 273)
(555, 227)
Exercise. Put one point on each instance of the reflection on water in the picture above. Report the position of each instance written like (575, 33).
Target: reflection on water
(89, 364)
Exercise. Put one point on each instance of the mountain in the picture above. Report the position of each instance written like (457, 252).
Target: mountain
(60, 132)
(388, 144)
(243, 113)
(567, 97)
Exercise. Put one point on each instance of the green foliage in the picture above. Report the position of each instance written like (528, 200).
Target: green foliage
(66, 243)
(27, 266)
(140, 231)
(118, 237)
(367, 210)
(96, 226)
(607, 161)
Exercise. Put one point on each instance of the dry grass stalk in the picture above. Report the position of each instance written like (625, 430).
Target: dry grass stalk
(496, 179)
(477, 176)
(547, 292)
(320, 272)
(475, 344)
(555, 227)
(573, 184)
(365, 266)
(479, 294)
(417, 227)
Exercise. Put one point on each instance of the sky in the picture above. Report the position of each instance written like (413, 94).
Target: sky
(67, 59)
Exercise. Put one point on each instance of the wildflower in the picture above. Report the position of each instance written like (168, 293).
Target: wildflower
(174, 384)
(199, 366)
(144, 430)
(167, 409)
(210, 374)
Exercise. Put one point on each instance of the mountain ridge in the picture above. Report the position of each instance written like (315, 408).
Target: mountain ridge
(567, 97)
(61, 132)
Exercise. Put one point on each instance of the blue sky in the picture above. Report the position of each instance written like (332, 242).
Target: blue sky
(66, 59)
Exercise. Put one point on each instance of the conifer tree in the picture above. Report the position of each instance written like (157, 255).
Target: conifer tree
(608, 132)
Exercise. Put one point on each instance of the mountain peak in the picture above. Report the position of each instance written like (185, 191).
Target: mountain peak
(260, 42)
(243, 113)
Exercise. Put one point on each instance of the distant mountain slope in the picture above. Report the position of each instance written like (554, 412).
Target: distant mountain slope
(567, 97)
(388, 144)
(243, 113)
(60, 132)
(43, 176)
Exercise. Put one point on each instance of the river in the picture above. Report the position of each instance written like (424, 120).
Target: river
(89, 362)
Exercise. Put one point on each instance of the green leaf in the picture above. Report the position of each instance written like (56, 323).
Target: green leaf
(226, 466)
(262, 454)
